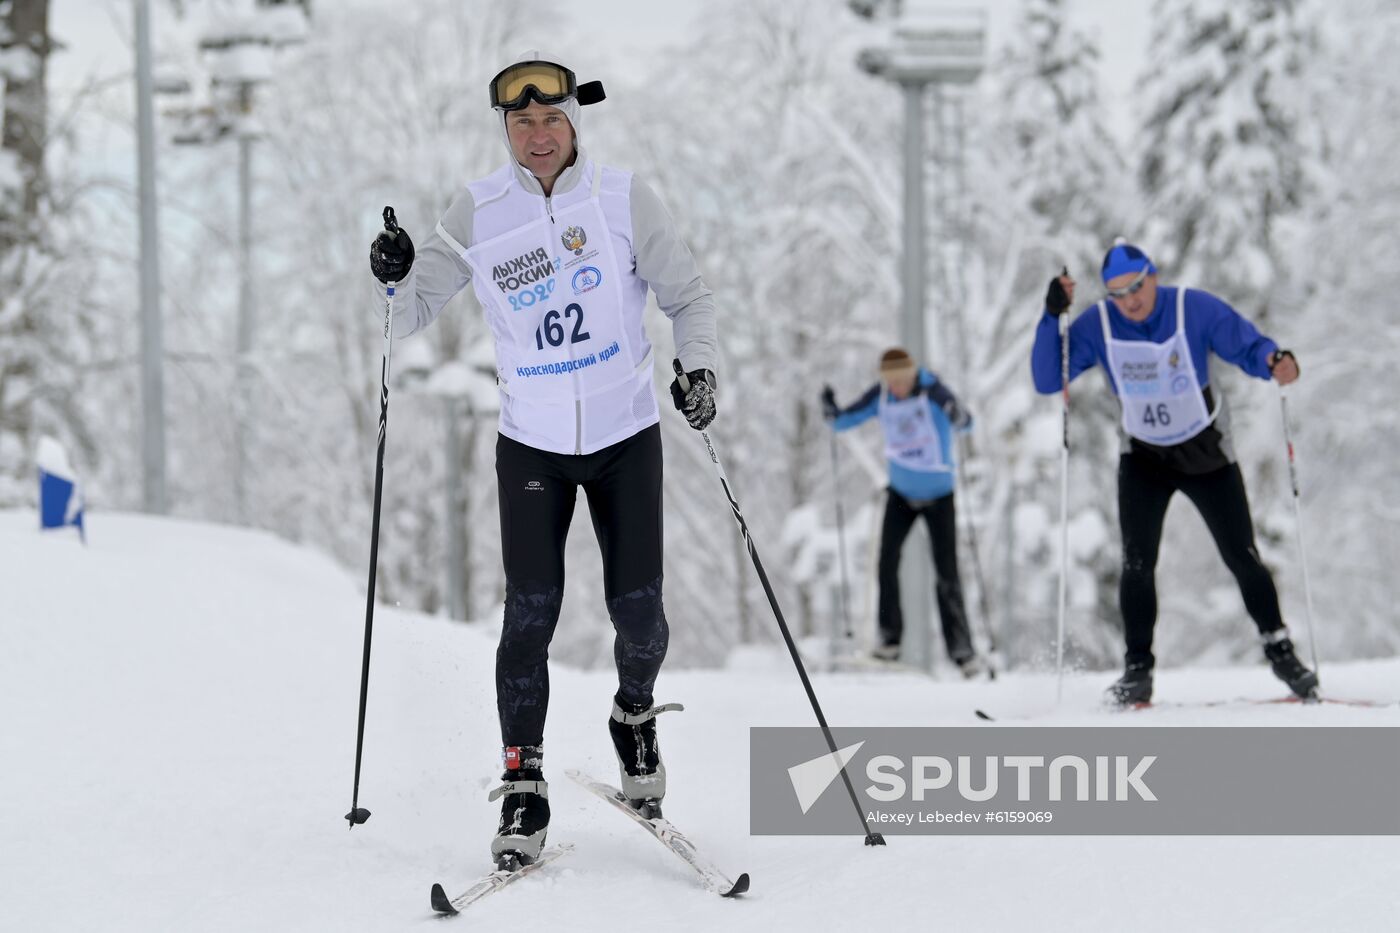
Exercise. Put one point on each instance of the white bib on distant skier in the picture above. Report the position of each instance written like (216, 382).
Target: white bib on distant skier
(552, 290)
(1157, 386)
(911, 439)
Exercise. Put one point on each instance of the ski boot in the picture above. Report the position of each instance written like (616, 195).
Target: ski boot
(524, 811)
(633, 730)
(972, 667)
(1278, 648)
(886, 652)
(1134, 688)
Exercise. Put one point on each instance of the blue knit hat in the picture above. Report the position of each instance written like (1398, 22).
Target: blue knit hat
(1125, 258)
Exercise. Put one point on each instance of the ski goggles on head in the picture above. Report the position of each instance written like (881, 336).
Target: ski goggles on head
(545, 82)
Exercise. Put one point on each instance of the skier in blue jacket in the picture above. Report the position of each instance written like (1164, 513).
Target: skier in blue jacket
(918, 414)
(1157, 343)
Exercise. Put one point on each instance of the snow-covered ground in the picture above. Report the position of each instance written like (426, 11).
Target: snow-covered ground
(178, 734)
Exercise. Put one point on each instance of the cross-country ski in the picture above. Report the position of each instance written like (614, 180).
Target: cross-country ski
(669, 836)
(491, 882)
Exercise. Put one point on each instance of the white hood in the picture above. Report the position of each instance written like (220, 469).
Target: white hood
(571, 110)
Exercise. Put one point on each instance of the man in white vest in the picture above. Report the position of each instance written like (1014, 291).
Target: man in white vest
(1157, 344)
(918, 414)
(561, 252)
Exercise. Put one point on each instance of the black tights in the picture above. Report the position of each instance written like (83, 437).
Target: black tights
(537, 494)
(1144, 491)
(940, 516)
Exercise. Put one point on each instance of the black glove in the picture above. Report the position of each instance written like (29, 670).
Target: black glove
(829, 407)
(958, 416)
(697, 404)
(1056, 301)
(391, 255)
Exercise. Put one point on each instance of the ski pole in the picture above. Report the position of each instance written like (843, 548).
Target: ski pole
(872, 838)
(1298, 528)
(982, 602)
(840, 536)
(359, 814)
(1064, 507)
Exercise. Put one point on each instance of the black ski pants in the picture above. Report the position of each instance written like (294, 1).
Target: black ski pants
(940, 516)
(1145, 489)
(537, 493)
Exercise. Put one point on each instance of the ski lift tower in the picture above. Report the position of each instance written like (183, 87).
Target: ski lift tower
(927, 44)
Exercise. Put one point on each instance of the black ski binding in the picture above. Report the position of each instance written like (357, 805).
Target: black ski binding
(512, 861)
(647, 809)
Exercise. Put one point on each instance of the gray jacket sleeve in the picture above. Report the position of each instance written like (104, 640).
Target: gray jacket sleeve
(438, 272)
(665, 263)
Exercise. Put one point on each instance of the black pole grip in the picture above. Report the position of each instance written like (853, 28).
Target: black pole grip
(680, 375)
(391, 223)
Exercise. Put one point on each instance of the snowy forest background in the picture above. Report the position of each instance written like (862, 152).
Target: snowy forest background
(1259, 164)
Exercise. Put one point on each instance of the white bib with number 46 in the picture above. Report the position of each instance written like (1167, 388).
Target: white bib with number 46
(1157, 386)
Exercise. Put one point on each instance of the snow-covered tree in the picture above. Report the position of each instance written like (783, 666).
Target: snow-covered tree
(24, 45)
(1228, 152)
(1341, 323)
(1051, 134)
(45, 337)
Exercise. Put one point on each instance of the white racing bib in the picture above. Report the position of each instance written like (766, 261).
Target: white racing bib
(1157, 385)
(911, 440)
(552, 297)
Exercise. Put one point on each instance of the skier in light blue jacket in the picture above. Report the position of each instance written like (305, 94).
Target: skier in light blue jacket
(918, 414)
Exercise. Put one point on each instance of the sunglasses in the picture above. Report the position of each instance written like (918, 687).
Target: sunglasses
(1132, 288)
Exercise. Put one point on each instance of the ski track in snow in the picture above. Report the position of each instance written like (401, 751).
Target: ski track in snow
(178, 747)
